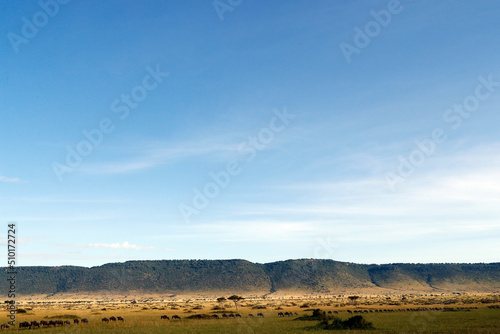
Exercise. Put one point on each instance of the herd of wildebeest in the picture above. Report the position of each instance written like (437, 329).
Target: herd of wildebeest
(45, 323)
(55, 323)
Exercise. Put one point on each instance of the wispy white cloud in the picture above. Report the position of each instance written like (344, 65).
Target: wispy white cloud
(57, 199)
(148, 155)
(453, 195)
(221, 146)
(253, 231)
(124, 245)
(23, 241)
(117, 245)
(9, 179)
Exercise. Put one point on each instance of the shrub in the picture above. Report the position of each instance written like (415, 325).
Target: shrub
(356, 322)
(317, 315)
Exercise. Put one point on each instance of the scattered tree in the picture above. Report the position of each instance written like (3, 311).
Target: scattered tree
(235, 299)
(354, 299)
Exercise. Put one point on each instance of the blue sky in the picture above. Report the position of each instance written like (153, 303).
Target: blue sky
(388, 153)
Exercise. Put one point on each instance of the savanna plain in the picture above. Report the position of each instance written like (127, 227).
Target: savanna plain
(426, 313)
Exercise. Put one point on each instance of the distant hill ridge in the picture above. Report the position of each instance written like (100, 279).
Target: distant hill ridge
(244, 277)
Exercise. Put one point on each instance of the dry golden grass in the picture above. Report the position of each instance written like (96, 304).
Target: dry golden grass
(143, 315)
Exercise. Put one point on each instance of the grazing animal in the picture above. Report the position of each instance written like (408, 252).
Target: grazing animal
(5, 326)
(250, 315)
(85, 321)
(176, 317)
(113, 318)
(76, 321)
(231, 315)
(224, 315)
(44, 323)
(237, 315)
(280, 314)
(25, 324)
(329, 312)
(105, 320)
(260, 315)
(164, 317)
(66, 322)
(120, 319)
(35, 324)
(215, 316)
(296, 313)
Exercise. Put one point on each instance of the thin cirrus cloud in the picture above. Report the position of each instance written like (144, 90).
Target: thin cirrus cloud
(145, 155)
(117, 245)
(151, 155)
(437, 198)
(9, 179)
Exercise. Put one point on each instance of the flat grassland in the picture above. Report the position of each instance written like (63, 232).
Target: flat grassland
(455, 314)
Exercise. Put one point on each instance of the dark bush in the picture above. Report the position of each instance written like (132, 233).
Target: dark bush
(356, 322)
(317, 315)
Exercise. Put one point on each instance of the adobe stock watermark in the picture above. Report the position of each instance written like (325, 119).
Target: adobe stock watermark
(454, 116)
(372, 29)
(249, 325)
(222, 6)
(248, 151)
(420, 321)
(120, 106)
(325, 248)
(119, 282)
(30, 28)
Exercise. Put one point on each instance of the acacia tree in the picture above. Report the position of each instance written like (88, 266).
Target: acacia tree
(235, 299)
(354, 299)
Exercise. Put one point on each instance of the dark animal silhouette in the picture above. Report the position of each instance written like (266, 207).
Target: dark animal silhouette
(25, 324)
